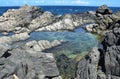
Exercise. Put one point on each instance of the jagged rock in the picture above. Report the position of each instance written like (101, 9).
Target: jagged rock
(112, 61)
(91, 27)
(20, 64)
(87, 67)
(69, 22)
(112, 38)
(109, 61)
(101, 74)
(20, 37)
(18, 18)
(29, 18)
(111, 45)
(104, 10)
(104, 24)
(45, 19)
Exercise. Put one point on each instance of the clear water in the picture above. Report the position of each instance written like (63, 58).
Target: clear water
(74, 41)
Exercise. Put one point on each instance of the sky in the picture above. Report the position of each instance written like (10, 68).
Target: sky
(110, 3)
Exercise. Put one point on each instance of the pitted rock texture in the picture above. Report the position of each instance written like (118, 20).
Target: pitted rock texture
(108, 63)
(26, 65)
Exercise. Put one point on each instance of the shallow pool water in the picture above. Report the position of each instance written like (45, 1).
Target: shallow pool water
(74, 42)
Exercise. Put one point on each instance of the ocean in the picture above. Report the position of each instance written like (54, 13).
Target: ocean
(62, 9)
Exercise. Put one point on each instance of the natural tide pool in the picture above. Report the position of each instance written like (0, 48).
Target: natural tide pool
(74, 42)
(75, 46)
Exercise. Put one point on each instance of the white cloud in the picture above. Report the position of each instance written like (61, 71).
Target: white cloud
(39, 1)
(75, 2)
(80, 2)
(60, 2)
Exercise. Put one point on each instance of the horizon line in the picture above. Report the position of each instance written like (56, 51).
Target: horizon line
(55, 5)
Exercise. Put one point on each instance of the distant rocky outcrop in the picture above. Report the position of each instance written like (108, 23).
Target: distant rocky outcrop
(106, 21)
(104, 10)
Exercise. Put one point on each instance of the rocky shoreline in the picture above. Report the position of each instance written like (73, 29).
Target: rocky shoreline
(28, 61)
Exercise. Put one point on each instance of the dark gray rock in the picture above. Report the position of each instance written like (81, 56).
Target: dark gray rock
(112, 54)
(100, 74)
(25, 65)
(87, 68)
(113, 37)
(104, 10)
(3, 49)
(112, 61)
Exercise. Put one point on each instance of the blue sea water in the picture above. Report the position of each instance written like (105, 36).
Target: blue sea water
(62, 9)
(78, 41)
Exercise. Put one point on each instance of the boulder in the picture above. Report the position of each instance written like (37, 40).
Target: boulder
(104, 10)
(112, 38)
(111, 45)
(112, 61)
(20, 64)
(18, 17)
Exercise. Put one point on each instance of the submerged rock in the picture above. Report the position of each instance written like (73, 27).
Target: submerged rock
(41, 45)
